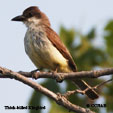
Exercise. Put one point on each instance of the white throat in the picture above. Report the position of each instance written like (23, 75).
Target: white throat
(32, 22)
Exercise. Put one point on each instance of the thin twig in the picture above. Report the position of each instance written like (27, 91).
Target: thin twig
(69, 93)
(103, 83)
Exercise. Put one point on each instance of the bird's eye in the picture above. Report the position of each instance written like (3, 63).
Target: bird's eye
(30, 15)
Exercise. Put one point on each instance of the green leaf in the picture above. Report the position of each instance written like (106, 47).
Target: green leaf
(35, 100)
(67, 36)
(109, 43)
(109, 26)
(91, 34)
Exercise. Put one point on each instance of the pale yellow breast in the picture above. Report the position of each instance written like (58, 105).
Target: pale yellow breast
(43, 54)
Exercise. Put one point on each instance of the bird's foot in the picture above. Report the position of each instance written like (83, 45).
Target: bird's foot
(34, 73)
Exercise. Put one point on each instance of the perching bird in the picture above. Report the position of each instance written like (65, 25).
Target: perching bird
(45, 49)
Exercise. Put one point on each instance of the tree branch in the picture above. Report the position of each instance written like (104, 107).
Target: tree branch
(62, 76)
(58, 98)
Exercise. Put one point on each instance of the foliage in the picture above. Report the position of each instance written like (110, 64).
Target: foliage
(87, 56)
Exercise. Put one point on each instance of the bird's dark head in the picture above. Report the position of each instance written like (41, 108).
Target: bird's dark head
(32, 15)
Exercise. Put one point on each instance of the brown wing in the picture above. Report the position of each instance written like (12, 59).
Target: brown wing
(60, 46)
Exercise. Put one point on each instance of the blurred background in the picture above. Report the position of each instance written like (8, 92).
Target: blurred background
(86, 28)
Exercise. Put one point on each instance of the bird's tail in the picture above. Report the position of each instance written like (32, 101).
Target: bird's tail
(91, 93)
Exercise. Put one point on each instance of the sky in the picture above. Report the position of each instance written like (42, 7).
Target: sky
(80, 14)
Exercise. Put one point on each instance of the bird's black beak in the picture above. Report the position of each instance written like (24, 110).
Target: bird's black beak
(19, 18)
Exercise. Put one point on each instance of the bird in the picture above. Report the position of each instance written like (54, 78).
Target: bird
(45, 48)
